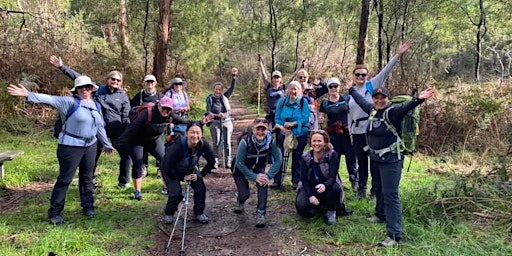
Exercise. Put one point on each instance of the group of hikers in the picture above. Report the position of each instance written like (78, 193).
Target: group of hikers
(102, 117)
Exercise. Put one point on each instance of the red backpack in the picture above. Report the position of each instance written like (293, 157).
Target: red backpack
(134, 112)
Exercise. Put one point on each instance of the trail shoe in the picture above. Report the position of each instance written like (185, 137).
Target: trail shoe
(375, 219)
(277, 186)
(361, 194)
(168, 219)
(260, 220)
(137, 195)
(56, 220)
(164, 191)
(144, 171)
(124, 186)
(388, 242)
(202, 218)
(331, 217)
(216, 166)
(373, 196)
(239, 207)
(355, 186)
(90, 213)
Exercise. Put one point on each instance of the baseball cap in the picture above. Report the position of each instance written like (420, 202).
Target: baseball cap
(382, 90)
(166, 102)
(277, 73)
(333, 80)
(260, 122)
(149, 78)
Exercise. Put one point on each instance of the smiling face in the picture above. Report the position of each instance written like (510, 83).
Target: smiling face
(194, 135)
(334, 89)
(114, 80)
(85, 92)
(318, 142)
(150, 86)
(359, 76)
(217, 89)
(164, 111)
(380, 101)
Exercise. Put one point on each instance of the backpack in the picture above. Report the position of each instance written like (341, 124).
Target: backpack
(246, 135)
(407, 141)
(325, 102)
(301, 103)
(60, 122)
(135, 111)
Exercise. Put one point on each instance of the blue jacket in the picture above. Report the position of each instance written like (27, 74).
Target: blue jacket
(292, 112)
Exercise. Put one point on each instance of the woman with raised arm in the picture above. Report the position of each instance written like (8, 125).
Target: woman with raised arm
(386, 156)
(81, 131)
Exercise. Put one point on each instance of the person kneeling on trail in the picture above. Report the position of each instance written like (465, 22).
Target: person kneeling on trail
(251, 158)
(386, 154)
(181, 163)
(321, 188)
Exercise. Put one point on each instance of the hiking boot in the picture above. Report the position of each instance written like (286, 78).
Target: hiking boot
(260, 220)
(168, 219)
(373, 196)
(239, 207)
(375, 219)
(228, 163)
(355, 186)
(137, 195)
(124, 186)
(144, 171)
(331, 217)
(56, 220)
(276, 186)
(216, 165)
(388, 242)
(202, 218)
(164, 191)
(361, 194)
(90, 213)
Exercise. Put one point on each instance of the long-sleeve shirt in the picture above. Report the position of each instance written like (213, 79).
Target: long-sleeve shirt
(175, 153)
(311, 176)
(357, 118)
(293, 112)
(215, 105)
(143, 97)
(114, 103)
(251, 174)
(83, 128)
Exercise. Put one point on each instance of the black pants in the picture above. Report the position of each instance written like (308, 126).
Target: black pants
(155, 147)
(343, 146)
(175, 195)
(70, 158)
(125, 160)
(329, 200)
(359, 141)
(244, 192)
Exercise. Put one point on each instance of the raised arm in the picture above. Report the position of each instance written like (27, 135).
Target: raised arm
(229, 92)
(69, 72)
(380, 78)
(360, 100)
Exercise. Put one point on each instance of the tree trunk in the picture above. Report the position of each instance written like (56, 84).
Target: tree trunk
(482, 30)
(273, 32)
(162, 40)
(379, 8)
(144, 42)
(123, 33)
(363, 29)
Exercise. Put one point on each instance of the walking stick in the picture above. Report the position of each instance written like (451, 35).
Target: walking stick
(222, 141)
(185, 203)
(285, 166)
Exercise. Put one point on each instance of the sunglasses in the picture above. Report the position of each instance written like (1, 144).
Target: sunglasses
(149, 81)
(333, 86)
(303, 77)
(276, 77)
(360, 74)
(178, 84)
(87, 87)
(115, 79)
(168, 109)
(260, 120)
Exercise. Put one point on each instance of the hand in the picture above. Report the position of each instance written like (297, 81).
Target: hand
(304, 63)
(56, 61)
(18, 90)
(258, 57)
(320, 188)
(234, 71)
(348, 84)
(221, 115)
(403, 48)
(313, 200)
(109, 152)
(287, 131)
(262, 179)
(427, 93)
(190, 177)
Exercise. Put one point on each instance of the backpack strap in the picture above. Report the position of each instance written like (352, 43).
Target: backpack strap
(150, 113)
(369, 87)
(392, 128)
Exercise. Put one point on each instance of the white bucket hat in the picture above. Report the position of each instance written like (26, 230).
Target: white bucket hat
(82, 81)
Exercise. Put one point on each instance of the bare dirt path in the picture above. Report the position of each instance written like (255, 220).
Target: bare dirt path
(229, 233)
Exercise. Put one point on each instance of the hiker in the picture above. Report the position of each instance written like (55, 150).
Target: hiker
(311, 92)
(181, 163)
(335, 107)
(181, 102)
(384, 156)
(292, 121)
(252, 156)
(115, 107)
(217, 104)
(321, 189)
(358, 119)
(147, 95)
(145, 132)
(275, 90)
(76, 144)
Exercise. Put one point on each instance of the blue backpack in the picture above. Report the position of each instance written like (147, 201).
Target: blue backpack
(59, 123)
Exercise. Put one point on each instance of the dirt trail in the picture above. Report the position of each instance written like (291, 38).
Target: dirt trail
(229, 233)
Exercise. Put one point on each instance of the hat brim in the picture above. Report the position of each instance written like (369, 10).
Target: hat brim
(94, 87)
(260, 125)
(375, 94)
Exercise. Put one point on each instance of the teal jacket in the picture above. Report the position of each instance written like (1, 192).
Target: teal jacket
(294, 112)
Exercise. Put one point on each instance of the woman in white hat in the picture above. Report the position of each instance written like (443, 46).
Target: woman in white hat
(77, 146)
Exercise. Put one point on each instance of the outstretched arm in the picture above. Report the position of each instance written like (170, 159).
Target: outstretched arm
(69, 72)
(229, 92)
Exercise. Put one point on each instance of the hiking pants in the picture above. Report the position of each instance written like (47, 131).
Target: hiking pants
(227, 131)
(359, 142)
(175, 195)
(154, 147)
(244, 192)
(70, 158)
(343, 146)
(296, 156)
(329, 200)
(124, 154)
(388, 205)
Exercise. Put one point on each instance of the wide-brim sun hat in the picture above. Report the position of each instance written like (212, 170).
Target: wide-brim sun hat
(83, 81)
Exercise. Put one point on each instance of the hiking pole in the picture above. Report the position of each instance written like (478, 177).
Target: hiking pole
(285, 166)
(222, 141)
(184, 204)
(187, 196)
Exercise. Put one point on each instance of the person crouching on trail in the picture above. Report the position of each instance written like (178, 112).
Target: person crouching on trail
(385, 157)
(181, 164)
(251, 159)
(321, 188)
